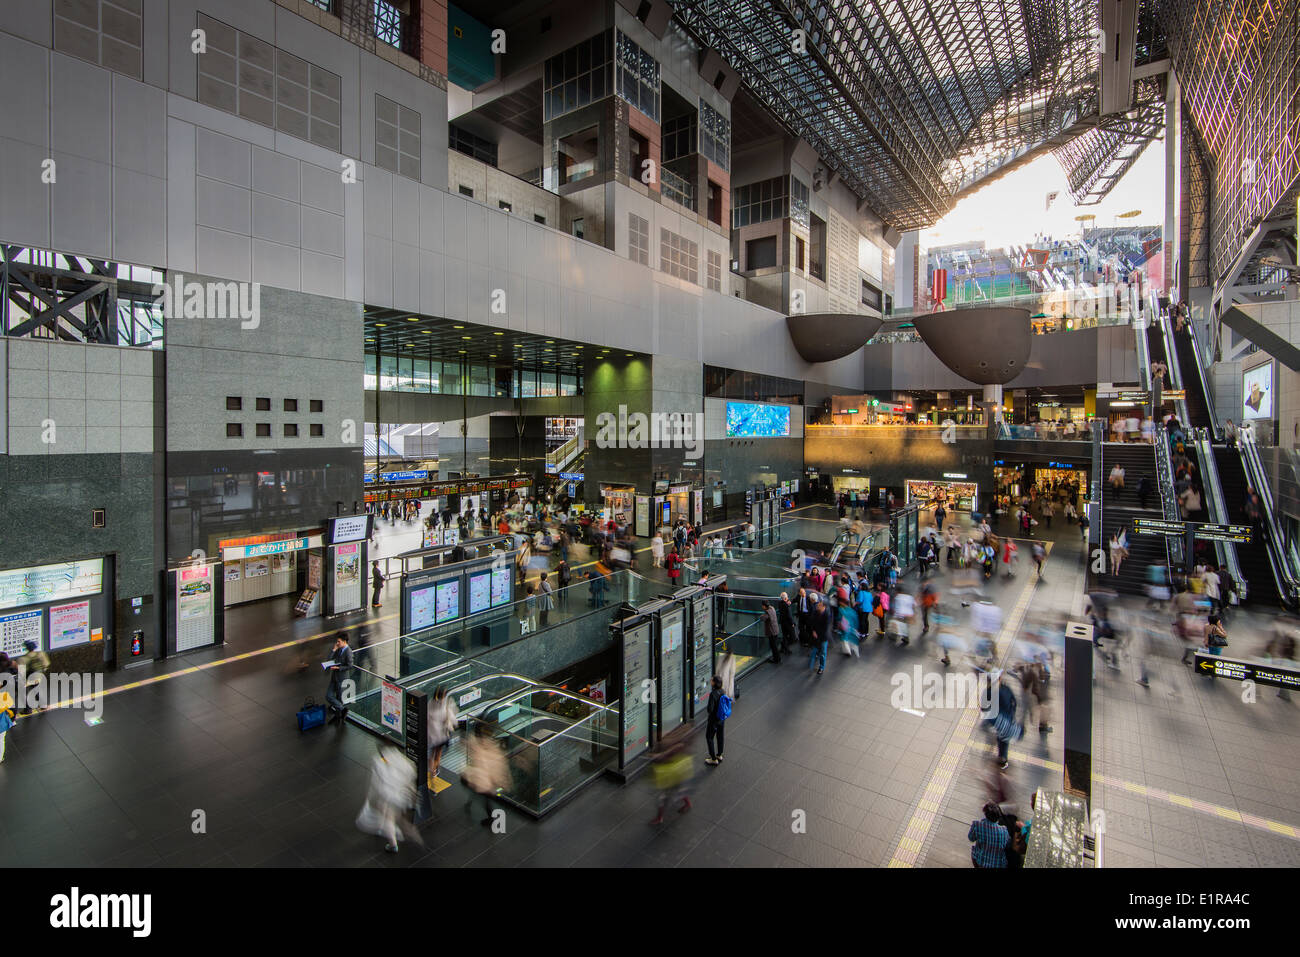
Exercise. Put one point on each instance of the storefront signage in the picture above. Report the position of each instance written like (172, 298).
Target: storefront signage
(1157, 526)
(954, 475)
(1058, 465)
(269, 548)
(16, 630)
(1264, 674)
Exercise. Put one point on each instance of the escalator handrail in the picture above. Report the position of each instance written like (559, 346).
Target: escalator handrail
(1215, 505)
(1168, 501)
(1280, 561)
(1198, 360)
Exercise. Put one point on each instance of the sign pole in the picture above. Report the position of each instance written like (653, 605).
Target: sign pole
(415, 723)
(1077, 699)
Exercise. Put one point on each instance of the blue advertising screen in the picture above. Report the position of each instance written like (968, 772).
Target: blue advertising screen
(756, 419)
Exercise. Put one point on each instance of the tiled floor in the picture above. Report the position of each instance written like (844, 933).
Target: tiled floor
(819, 771)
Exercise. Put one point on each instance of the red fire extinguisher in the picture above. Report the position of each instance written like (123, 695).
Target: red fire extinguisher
(136, 647)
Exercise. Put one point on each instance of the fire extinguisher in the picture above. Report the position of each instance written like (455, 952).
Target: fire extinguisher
(136, 647)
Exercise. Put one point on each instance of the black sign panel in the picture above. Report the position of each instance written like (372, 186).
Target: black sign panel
(1223, 533)
(1158, 526)
(1264, 674)
(415, 727)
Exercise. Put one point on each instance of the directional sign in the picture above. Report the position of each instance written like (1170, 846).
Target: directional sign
(1158, 526)
(1239, 534)
(1264, 674)
(1173, 395)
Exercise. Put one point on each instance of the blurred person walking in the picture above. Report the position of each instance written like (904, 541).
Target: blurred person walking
(442, 725)
(672, 768)
(772, 629)
(485, 771)
(391, 793)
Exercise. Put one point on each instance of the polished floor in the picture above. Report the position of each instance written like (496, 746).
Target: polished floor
(206, 767)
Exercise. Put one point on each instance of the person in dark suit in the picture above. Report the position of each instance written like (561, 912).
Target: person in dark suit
(376, 585)
(786, 617)
(340, 671)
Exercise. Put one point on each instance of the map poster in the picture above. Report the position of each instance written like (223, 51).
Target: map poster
(421, 608)
(69, 625)
(18, 629)
(448, 600)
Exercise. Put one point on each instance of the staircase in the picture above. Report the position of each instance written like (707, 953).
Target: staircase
(1138, 461)
(1256, 566)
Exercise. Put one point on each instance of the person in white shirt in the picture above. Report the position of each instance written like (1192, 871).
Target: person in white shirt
(657, 549)
(1212, 587)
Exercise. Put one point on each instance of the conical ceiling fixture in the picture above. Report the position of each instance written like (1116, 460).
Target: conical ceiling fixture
(826, 336)
(988, 345)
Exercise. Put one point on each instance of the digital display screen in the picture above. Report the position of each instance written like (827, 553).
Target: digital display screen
(480, 591)
(757, 420)
(501, 579)
(1257, 392)
(447, 602)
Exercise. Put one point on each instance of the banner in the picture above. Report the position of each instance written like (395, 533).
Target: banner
(347, 578)
(69, 625)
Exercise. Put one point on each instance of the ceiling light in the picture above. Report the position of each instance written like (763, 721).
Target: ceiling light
(426, 332)
(381, 325)
(498, 333)
(467, 337)
(550, 342)
(492, 356)
(458, 327)
(412, 319)
(461, 351)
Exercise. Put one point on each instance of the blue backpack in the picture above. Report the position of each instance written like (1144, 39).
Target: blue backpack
(724, 708)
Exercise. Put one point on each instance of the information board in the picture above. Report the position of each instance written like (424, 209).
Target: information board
(480, 591)
(636, 681)
(422, 607)
(390, 706)
(348, 528)
(41, 583)
(347, 577)
(69, 625)
(18, 629)
(502, 584)
(672, 676)
(702, 650)
(195, 609)
(1157, 526)
(1211, 532)
(447, 602)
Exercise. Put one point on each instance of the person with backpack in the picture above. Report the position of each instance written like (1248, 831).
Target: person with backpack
(718, 711)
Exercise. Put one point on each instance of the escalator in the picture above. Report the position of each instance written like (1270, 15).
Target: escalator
(1256, 565)
(1156, 346)
(1190, 378)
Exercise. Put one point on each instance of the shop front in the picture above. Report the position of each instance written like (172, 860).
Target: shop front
(953, 491)
(266, 566)
(456, 495)
(617, 503)
(853, 485)
(1058, 475)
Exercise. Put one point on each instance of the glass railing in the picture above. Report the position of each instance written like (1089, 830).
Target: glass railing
(1282, 557)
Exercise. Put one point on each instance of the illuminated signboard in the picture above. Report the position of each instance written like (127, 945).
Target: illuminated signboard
(746, 419)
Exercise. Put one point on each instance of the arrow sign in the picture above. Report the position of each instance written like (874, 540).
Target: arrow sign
(1258, 672)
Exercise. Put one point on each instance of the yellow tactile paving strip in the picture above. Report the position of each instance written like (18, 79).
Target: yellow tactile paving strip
(923, 817)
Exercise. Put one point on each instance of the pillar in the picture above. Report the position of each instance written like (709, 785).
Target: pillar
(993, 397)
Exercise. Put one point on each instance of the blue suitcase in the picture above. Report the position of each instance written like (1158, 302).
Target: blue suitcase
(311, 715)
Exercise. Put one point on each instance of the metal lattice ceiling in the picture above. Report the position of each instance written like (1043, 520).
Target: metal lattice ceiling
(913, 102)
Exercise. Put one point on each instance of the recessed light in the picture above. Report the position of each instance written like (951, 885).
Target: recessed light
(492, 356)
(412, 319)
(550, 342)
(628, 354)
(458, 327)
(467, 337)
(426, 332)
(550, 350)
(381, 325)
(461, 351)
(498, 333)
(577, 347)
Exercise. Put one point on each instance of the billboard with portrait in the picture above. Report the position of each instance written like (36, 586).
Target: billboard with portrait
(1257, 392)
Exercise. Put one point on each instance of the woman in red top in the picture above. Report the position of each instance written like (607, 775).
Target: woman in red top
(674, 565)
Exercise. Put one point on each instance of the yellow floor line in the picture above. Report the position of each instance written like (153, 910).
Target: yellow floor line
(923, 817)
(1169, 797)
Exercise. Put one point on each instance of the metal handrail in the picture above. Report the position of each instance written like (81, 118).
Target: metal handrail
(1213, 485)
(1283, 574)
(1198, 360)
(1168, 500)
